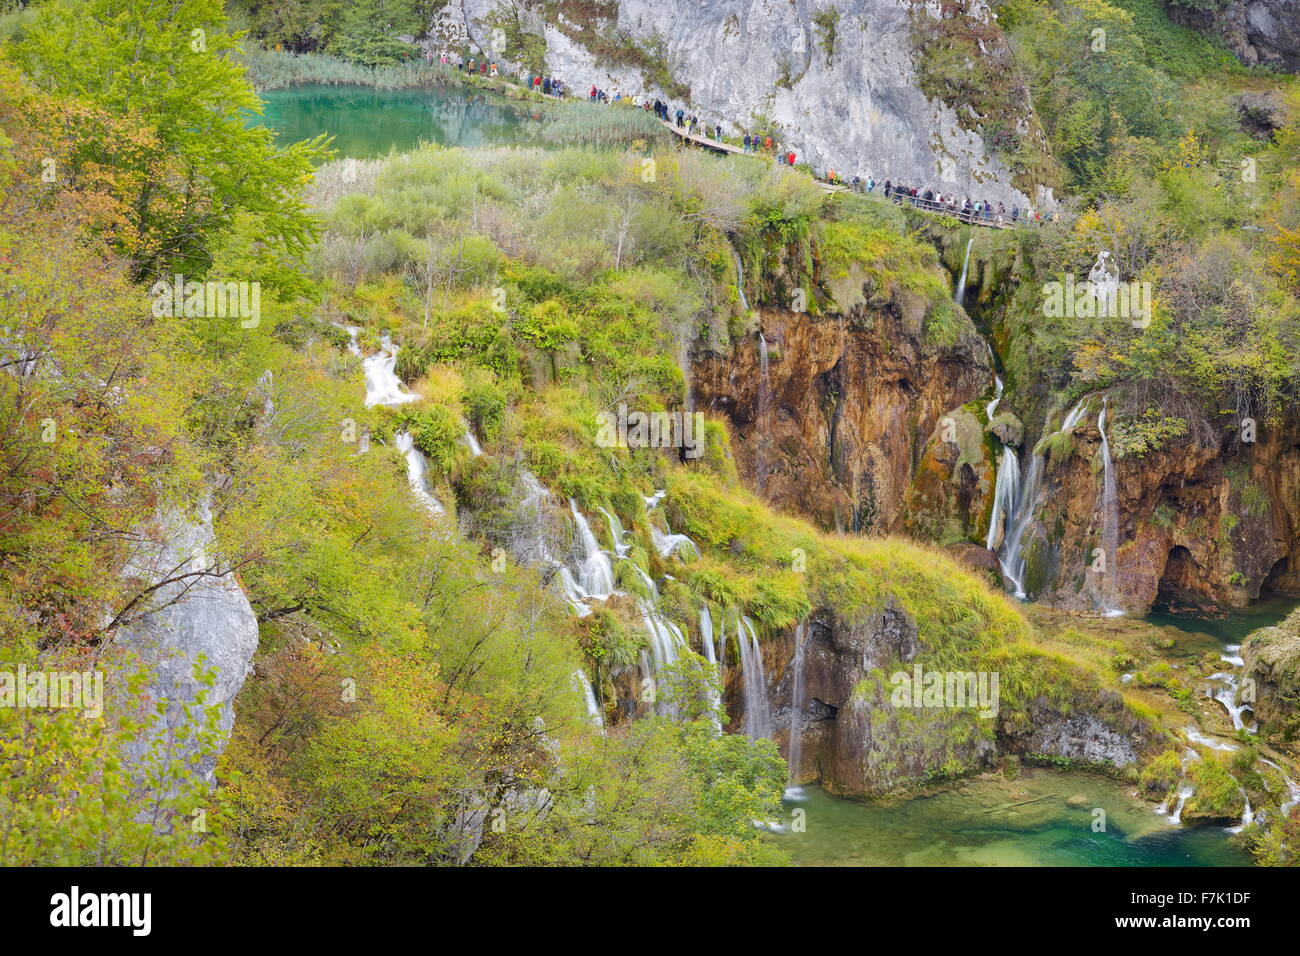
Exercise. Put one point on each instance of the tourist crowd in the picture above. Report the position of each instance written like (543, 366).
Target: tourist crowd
(964, 208)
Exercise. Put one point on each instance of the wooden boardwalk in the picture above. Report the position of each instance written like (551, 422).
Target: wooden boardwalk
(973, 218)
(720, 147)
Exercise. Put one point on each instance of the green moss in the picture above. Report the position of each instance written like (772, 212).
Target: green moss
(1217, 792)
(1158, 777)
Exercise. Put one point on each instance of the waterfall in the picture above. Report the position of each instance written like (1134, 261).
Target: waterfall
(589, 698)
(797, 704)
(667, 542)
(758, 714)
(1292, 788)
(760, 418)
(960, 295)
(1196, 737)
(616, 534)
(535, 498)
(740, 280)
(715, 675)
(595, 572)
(416, 466)
(1247, 816)
(1005, 493)
(1020, 517)
(383, 387)
(475, 448)
(1109, 518)
(1184, 792)
(992, 406)
(1226, 695)
(666, 638)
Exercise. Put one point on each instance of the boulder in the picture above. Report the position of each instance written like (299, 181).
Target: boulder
(1271, 656)
(198, 612)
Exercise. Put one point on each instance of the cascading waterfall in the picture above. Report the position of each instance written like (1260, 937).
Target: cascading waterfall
(758, 713)
(1226, 694)
(1020, 517)
(666, 638)
(416, 467)
(1184, 792)
(666, 542)
(960, 295)
(797, 704)
(740, 280)
(595, 572)
(1109, 519)
(706, 641)
(1205, 740)
(475, 448)
(383, 387)
(1005, 494)
(1292, 788)
(536, 499)
(617, 534)
(991, 408)
(589, 698)
(1247, 816)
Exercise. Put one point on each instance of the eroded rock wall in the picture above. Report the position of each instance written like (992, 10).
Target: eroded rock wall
(850, 403)
(857, 742)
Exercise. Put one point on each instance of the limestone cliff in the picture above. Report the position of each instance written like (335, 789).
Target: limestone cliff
(1259, 32)
(838, 78)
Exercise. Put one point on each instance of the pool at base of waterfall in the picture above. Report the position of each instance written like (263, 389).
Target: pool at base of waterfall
(1039, 818)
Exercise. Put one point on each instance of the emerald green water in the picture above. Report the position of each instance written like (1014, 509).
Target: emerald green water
(366, 122)
(992, 821)
(1209, 632)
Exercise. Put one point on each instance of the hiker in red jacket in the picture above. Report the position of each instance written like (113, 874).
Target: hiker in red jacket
(789, 159)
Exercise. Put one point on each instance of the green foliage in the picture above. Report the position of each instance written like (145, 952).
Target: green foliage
(370, 32)
(170, 72)
(276, 70)
(1158, 777)
(827, 24)
(1138, 436)
(1218, 794)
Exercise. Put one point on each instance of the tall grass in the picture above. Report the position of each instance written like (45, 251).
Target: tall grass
(588, 124)
(275, 70)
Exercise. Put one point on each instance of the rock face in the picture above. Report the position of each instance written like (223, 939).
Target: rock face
(202, 614)
(839, 78)
(857, 742)
(846, 408)
(1210, 521)
(1272, 660)
(1259, 32)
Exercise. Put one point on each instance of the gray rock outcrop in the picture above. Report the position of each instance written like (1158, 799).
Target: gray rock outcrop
(1259, 32)
(853, 105)
(198, 611)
